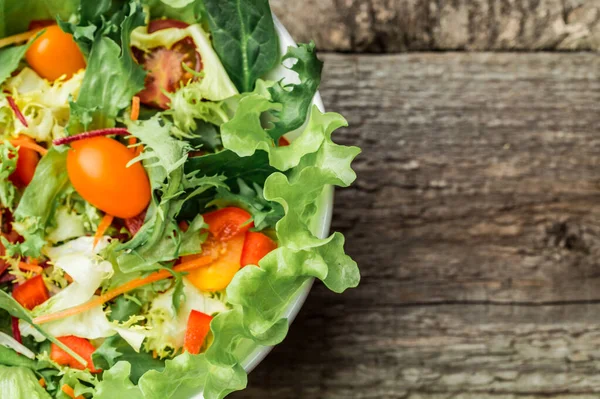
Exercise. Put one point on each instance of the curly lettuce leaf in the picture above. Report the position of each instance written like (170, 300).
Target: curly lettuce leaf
(20, 383)
(116, 383)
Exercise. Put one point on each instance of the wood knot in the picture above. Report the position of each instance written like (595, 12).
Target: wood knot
(565, 235)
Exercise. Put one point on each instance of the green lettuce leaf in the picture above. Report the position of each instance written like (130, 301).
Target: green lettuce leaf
(116, 384)
(116, 349)
(20, 383)
(38, 203)
(191, 13)
(15, 16)
(112, 76)
(244, 36)
(10, 58)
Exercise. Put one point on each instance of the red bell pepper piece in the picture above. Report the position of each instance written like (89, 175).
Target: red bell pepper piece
(283, 142)
(31, 293)
(81, 346)
(256, 246)
(197, 329)
(226, 223)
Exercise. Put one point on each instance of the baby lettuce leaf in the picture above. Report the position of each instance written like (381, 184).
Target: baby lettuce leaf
(15, 16)
(115, 349)
(8, 164)
(296, 99)
(112, 76)
(244, 36)
(38, 203)
(116, 384)
(10, 57)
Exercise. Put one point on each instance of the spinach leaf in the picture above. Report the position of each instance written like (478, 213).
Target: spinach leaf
(123, 308)
(115, 349)
(296, 99)
(16, 310)
(244, 37)
(252, 169)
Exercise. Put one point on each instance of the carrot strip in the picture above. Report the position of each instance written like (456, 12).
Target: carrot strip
(102, 227)
(42, 382)
(29, 144)
(70, 392)
(135, 108)
(31, 268)
(129, 286)
(18, 38)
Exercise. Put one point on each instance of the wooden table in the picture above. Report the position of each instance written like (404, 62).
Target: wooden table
(475, 220)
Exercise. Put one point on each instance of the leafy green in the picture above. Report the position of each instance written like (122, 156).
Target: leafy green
(116, 349)
(38, 203)
(123, 308)
(9, 357)
(15, 16)
(10, 57)
(20, 383)
(8, 164)
(112, 76)
(254, 168)
(116, 384)
(244, 36)
(191, 13)
(14, 309)
(296, 99)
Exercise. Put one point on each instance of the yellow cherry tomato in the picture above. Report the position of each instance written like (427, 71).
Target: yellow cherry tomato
(97, 168)
(54, 54)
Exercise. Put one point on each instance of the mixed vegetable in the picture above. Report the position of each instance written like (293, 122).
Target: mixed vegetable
(159, 194)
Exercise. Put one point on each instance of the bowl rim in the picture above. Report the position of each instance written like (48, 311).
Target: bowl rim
(322, 223)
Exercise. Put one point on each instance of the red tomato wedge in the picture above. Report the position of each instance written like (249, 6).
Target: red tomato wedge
(283, 142)
(81, 346)
(98, 170)
(198, 327)
(226, 223)
(256, 246)
(27, 161)
(31, 293)
(164, 65)
(218, 274)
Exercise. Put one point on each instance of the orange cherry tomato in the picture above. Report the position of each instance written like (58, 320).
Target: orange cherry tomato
(97, 168)
(218, 274)
(54, 54)
(27, 161)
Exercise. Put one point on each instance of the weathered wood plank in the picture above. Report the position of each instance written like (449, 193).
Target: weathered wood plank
(476, 222)
(409, 25)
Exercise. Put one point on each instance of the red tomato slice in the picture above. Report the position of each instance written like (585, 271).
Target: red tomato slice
(164, 65)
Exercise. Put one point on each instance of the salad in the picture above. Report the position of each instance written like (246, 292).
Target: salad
(158, 195)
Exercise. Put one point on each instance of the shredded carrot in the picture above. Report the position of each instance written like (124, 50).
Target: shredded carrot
(70, 392)
(19, 38)
(42, 382)
(154, 354)
(102, 227)
(29, 144)
(31, 268)
(129, 286)
(135, 108)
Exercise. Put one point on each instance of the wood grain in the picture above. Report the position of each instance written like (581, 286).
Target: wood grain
(476, 222)
(409, 25)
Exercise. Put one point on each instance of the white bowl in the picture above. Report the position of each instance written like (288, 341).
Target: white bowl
(321, 223)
